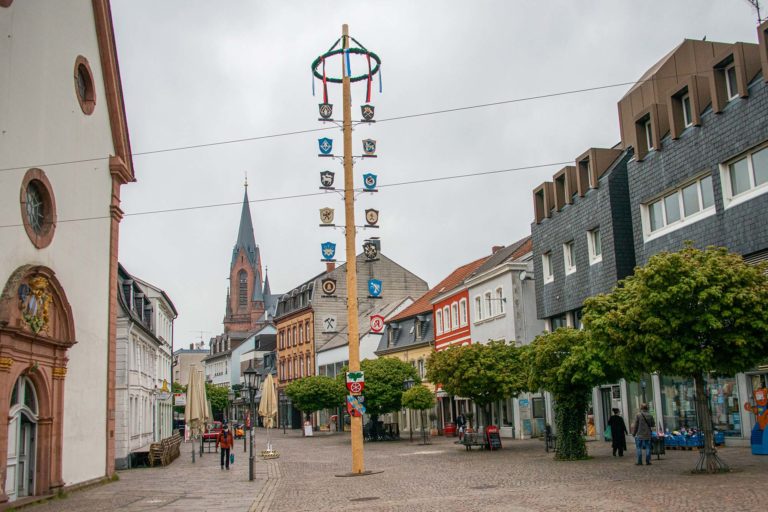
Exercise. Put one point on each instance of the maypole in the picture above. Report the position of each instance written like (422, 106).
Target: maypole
(355, 378)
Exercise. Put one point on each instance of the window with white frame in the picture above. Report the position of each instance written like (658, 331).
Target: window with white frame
(648, 129)
(488, 309)
(546, 265)
(446, 319)
(455, 314)
(595, 243)
(730, 82)
(685, 102)
(421, 368)
(499, 299)
(438, 321)
(569, 257)
(478, 308)
(463, 312)
(745, 176)
(675, 209)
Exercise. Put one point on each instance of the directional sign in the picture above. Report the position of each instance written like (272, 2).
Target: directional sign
(377, 323)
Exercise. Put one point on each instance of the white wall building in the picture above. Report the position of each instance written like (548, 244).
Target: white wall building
(61, 101)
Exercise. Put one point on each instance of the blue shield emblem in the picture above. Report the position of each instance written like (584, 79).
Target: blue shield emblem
(329, 250)
(374, 287)
(369, 181)
(325, 145)
(369, 146)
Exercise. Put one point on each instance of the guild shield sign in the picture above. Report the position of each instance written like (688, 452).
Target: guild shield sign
(369, 181)
(368, 111)
(329, 250)
(329, 324)
(326, 110)
(326, 178)
(372, 217)
(329, 286)
(374, 287)
(325, 145)
(326, 215)
(370, 250)
(369, 147)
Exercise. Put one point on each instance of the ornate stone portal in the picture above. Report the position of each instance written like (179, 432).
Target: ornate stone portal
(36, 331)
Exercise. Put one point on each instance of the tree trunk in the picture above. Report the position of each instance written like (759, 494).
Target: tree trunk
(569, 418)
(709, 462)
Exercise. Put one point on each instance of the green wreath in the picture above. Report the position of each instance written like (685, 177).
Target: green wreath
(359, 51)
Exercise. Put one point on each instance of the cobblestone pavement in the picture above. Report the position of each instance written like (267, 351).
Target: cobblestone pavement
(441, 477)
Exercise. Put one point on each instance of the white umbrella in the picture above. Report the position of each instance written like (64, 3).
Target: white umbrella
(268, 411)
(196, 409)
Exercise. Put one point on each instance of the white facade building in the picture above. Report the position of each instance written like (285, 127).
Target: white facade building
(58, 305)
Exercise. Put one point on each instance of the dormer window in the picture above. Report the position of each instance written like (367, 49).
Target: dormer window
(685, 102)
(731, 87)
(648, 131)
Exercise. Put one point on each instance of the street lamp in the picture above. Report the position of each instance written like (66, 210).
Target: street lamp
(252, 381)
(642, 385)
(408, 384)
(231, 398)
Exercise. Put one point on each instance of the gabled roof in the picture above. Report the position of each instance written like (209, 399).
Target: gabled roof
(511, 252)
(424, 303)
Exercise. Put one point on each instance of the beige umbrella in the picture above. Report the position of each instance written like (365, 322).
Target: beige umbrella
(268, 411)
(268, 403)
(196, 409)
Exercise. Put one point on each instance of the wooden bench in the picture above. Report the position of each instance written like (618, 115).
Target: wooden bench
(471, 439)
(165, 451)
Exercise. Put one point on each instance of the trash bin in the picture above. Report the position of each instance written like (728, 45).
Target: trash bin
(449, 430)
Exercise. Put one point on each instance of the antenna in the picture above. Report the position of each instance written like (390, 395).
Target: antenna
(756, 5)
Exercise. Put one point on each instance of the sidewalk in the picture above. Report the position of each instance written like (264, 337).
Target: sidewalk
(182, 486)
(441, 477)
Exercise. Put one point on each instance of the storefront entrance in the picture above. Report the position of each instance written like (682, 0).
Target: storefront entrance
(22, 435)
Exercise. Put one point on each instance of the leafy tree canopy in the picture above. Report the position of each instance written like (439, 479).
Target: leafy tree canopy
(484, 373)
(419, 397)
(384, 379)
(314, 393)
(685, 313)
(217, 395)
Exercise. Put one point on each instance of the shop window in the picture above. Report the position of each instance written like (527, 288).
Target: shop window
(724, 405)
(677, 403)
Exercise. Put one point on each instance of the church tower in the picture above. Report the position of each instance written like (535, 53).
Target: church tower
(246, 302)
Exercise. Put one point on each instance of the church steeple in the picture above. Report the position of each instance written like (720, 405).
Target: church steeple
(245, 238)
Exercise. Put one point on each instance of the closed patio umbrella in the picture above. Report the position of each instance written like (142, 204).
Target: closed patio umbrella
(196, 411)
(268, 411)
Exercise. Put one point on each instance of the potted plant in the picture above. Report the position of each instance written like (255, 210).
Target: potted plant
(433, 422)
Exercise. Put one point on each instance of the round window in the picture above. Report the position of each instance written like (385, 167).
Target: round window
(84, 88)
(38, 208)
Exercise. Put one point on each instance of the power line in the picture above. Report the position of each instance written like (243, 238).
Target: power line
(313, 130)
(309, 194)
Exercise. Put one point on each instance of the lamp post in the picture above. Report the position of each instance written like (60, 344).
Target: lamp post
(252, 381)
(408, 384)
(642, 386)
(230, 409)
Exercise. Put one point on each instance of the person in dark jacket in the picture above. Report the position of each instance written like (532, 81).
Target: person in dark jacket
(224, 442)
(618, 431)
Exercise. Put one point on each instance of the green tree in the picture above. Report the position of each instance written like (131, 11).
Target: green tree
(689, 313)
(568, 365)
(217, 395)
(486, 373)
(315, 393)
(384, 379)
(419, 398)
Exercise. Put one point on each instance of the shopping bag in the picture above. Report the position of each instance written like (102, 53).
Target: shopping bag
(231, 458)
(607, 434)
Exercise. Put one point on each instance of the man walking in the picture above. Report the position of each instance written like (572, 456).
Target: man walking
(641, 429)
(224, 442)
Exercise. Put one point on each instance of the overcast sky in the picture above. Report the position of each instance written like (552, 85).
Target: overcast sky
(196, 72)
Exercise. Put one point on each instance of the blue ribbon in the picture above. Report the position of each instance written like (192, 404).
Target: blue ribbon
(313, 85)
(349, 66)
(379, 78)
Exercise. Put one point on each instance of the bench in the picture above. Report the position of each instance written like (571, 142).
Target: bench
(471, 439)
(166, 451)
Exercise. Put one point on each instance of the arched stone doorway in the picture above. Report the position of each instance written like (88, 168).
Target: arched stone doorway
(36, 331)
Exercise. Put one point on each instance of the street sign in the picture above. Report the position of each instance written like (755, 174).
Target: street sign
(377, 323)
(180, 399)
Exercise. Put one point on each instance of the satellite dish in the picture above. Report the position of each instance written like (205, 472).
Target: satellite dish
(523, 275)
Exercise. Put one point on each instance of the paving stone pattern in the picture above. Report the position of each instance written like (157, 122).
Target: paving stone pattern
(441, 477)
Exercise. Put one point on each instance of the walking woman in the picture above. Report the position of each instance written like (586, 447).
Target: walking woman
(224, 442)
(618, 431)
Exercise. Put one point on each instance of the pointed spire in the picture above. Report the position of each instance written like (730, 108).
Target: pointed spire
(267, 291)
(245, 238)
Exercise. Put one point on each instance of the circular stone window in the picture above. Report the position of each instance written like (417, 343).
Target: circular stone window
(38, 208)
(84, 89)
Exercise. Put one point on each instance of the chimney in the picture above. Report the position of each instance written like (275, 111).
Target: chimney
(330, 266)
(496, 248)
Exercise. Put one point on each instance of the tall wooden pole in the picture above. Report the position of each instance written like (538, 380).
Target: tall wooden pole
(349, 214)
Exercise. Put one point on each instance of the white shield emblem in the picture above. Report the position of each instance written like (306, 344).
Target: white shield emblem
(326, 215)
